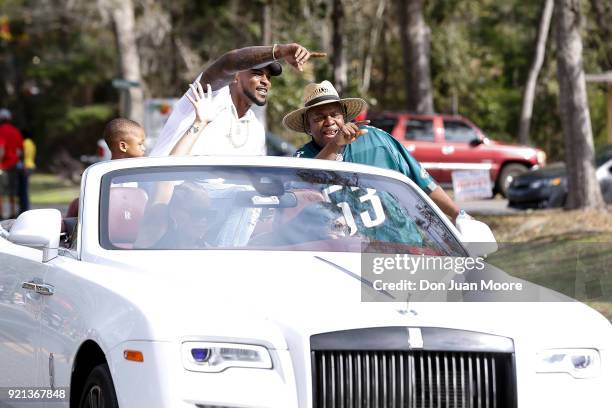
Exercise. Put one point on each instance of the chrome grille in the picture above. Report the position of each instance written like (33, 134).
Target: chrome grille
(411, 379)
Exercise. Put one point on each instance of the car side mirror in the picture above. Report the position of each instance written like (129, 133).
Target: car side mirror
(38, 229)
(476, 142)
(477, 237)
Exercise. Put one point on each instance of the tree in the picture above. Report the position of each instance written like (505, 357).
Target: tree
(603, 13)
(415, 35)
(534, 70)
(374, 35)
(339, 54)
(583, 188)
(122, 14)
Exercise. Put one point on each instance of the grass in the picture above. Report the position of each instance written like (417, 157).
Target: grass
(579, 266)
(47, 189)
(567, 251)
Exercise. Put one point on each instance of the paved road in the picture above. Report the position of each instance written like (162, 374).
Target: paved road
(497, 206)
(61, 207)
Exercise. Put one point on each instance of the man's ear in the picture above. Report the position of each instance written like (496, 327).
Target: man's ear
(123, 146)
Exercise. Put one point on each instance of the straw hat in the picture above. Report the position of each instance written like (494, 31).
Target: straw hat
(321, 94)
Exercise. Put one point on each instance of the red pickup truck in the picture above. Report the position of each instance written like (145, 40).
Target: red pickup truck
(445, 143)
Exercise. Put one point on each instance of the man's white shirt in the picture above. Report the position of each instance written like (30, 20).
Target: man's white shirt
(227, 134)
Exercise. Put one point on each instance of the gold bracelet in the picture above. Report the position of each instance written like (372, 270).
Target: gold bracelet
(273, 47)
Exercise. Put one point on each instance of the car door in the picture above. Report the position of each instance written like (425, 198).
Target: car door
(21, 273)
(61, 328)
(420, 140)
(457, 153)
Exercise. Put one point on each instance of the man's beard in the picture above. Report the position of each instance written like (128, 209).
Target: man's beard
(253, 98)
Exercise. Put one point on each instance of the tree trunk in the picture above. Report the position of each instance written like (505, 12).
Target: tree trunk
(123, 24)
(384, 91)
(583, 188)
(339, 54)
(374, 35)
(415, 36)
(534, 70)
(266, 39)
(266, 22)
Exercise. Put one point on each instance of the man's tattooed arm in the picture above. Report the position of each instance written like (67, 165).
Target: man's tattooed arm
(222, 71)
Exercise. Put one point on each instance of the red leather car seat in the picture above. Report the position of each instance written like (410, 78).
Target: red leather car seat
(126, 207)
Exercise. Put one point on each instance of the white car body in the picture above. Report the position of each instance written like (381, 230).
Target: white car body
(107, 301)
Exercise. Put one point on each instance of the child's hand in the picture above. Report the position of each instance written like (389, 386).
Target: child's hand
(205, 108)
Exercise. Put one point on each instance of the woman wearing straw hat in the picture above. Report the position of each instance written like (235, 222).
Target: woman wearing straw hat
(327, 119)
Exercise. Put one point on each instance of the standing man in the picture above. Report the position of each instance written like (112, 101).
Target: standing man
(12, 141)
(239, 79)
(326, 118)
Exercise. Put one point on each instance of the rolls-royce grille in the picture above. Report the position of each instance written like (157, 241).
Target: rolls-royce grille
(411, 379)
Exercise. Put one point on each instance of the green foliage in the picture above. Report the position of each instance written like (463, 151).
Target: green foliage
(77, 117)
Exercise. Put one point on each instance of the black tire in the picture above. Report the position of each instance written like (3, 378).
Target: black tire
(99, 391)
(507, 174)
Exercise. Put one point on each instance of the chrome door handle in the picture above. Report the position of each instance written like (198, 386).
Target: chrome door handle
(29, 286)
(40, 288)
(44, 289)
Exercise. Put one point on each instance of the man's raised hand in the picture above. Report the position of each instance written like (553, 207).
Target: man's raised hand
(349, 132)
(295, 54)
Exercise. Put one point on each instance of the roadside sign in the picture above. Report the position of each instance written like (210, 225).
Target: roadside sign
(157, 111)
(120, 83)
(472, 184)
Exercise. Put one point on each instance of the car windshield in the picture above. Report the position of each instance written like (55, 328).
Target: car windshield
(259, 208)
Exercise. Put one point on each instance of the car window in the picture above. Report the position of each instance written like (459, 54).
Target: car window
(386, 124)
(417, 129)
(456, 131)
(267, 208)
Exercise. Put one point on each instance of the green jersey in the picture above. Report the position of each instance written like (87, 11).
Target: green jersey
(380, 149)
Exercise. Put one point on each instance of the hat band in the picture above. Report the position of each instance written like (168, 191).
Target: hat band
(321, 99)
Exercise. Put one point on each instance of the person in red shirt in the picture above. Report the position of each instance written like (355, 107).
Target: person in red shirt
(12, 141)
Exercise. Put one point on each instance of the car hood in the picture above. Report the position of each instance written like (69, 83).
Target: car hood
(285, 297)
(551, 171)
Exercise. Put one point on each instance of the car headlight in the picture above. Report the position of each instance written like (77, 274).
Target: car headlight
(536, 184)
(579, 363)
(545, 183)
(541, 157)
(216, 357)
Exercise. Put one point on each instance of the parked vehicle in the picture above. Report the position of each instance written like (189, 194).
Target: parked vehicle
(270, 312)
(102, 153)
(547, 187)
(445, 143)
(275, 145)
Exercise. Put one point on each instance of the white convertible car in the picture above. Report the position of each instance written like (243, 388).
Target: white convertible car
(238, 282)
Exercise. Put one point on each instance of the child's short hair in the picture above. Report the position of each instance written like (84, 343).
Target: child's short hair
(117, 128)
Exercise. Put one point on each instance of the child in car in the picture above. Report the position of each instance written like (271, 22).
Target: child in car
(125, 138)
